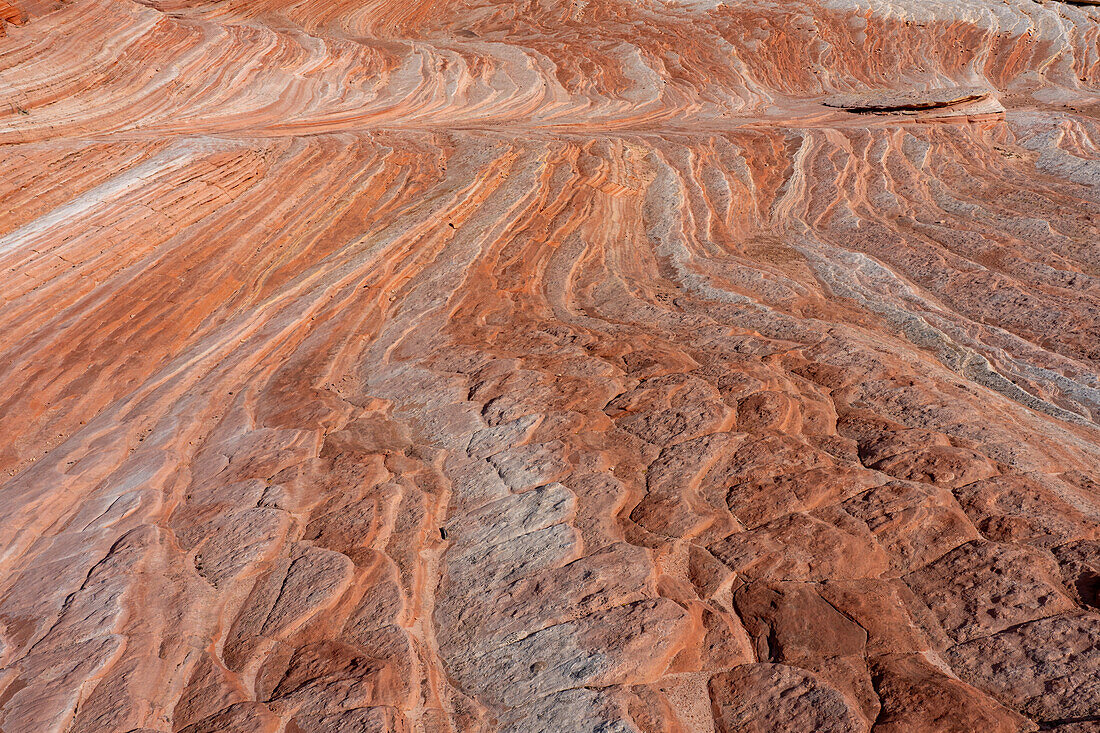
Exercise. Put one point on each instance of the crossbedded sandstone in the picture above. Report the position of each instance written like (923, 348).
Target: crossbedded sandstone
(547, 366)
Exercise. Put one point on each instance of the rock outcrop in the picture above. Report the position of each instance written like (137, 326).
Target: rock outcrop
(932, 102)
(596, 365)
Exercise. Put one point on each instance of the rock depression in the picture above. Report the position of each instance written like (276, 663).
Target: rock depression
(549, 366)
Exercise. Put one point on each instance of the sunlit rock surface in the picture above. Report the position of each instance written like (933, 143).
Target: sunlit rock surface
(563, 365)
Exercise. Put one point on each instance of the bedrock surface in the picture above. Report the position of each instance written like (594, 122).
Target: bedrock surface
(551, 366)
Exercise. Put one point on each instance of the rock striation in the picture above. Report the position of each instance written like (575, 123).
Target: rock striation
(563, 366)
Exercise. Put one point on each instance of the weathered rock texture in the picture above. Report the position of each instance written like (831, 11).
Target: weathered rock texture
(563, 365)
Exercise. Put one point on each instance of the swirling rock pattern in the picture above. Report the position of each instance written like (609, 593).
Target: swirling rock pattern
(556, 365)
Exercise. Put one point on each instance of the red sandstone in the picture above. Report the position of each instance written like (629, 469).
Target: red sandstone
(552, 366)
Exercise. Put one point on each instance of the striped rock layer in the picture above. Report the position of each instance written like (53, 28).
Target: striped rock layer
(549, 365)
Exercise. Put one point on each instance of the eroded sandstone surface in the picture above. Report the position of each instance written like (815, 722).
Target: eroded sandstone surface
(555, 365)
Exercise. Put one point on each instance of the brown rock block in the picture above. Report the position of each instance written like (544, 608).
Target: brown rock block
(707, 573)
(724, 642)
(209, 691)
(335, 526)
(825, 543)
(242, 716)
(668, 514)
(754, 503)
(600, 499)
(893, 617)
(328, 678)
(368, 720)
(791, 623)
(1045, 668)
(916, 696)
(759, 698)
(237, 542)
(615, 576)
(915, 523)
(1080, 564)
(672, 505)
(631, 643)
(395, 647)
(385, 603)
(769, 477)
(918, 455)
(285, 599)
(669, 410)
(981, 588)
(1024, 509)
(769, 411)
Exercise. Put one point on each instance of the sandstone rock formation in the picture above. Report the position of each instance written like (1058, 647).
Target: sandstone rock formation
(557, 365)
